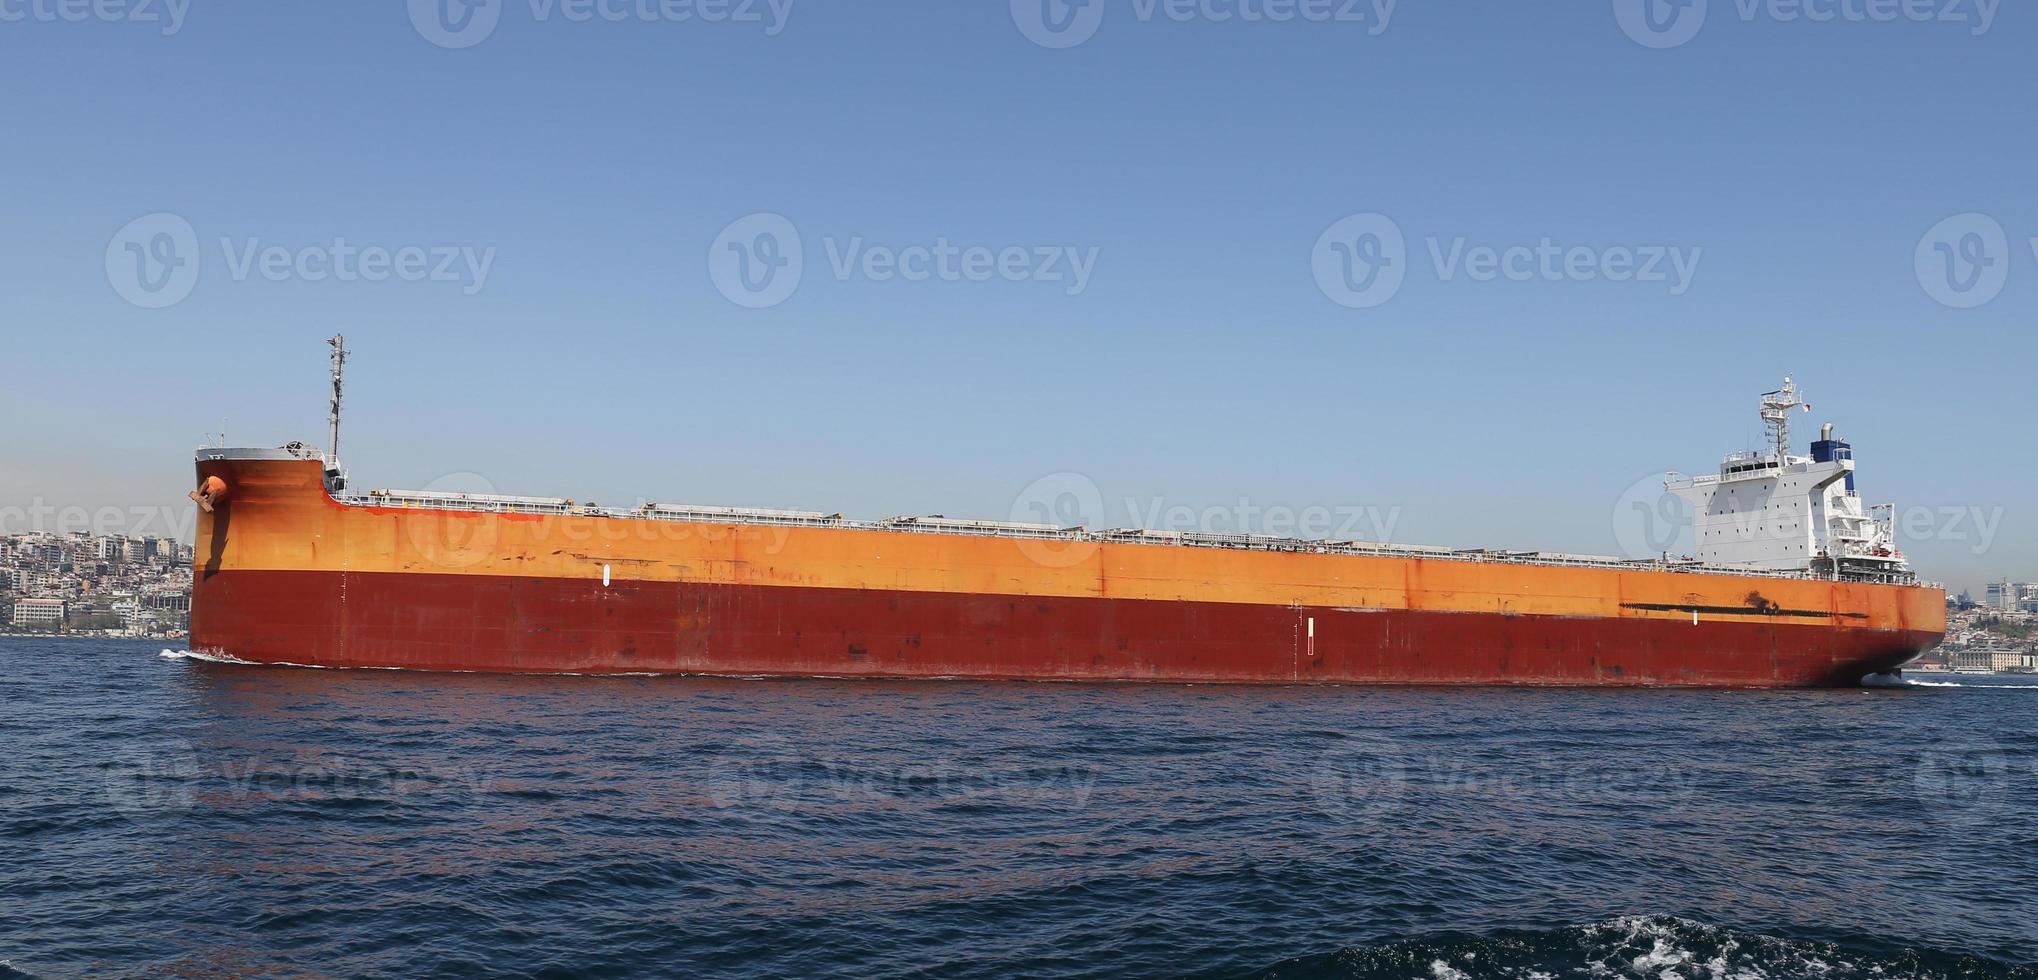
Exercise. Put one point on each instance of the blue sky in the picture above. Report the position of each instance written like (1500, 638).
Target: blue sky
(1195, 161)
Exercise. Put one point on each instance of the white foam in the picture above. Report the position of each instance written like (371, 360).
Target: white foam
(1908, 682)
(1664, 954)
(1444, 971)
(224, 658)
(211, 658)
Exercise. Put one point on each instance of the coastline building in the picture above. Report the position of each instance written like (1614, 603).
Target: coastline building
(86, 572)
(2012, 596)
(40, 613)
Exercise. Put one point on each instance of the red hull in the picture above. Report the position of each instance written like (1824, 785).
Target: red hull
(466, 622)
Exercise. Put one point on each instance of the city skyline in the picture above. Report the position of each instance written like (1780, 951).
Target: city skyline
(94, 583)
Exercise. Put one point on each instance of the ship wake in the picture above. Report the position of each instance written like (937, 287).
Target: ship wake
(210, 658)
(1639, 948)
(1890, 680)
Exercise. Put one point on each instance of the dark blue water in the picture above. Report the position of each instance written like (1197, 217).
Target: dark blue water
(163, 816)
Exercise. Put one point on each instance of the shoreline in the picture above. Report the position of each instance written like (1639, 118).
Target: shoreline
(86, 636)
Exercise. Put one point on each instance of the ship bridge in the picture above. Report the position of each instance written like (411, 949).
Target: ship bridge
(1770, 509)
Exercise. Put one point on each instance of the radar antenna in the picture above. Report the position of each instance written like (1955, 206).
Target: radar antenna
(1776, 406)
(339, 346)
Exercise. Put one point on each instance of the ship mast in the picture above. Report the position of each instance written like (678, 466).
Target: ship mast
(1776, 406)
(339, 346)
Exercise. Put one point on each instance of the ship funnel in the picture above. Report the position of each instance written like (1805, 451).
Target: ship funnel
(1826, 432)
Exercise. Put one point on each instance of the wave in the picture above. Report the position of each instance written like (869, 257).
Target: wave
(223, 658)
(1640, 947)
(1893, 680)
(210, 658)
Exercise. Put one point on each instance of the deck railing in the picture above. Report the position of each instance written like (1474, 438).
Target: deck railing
(559, 507)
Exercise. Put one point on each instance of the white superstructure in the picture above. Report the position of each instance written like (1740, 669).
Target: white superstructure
(1773, 510)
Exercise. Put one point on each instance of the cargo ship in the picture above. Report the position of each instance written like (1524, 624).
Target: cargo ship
(1794, 583)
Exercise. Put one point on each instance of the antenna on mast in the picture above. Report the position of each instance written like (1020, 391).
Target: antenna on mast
(1776, 406)
(339, 346)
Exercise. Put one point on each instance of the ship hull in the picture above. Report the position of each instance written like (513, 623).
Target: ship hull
(451, 622)
(288, 575)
